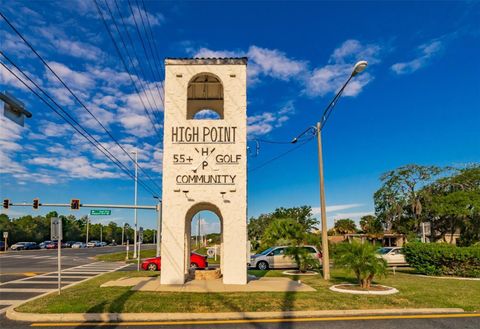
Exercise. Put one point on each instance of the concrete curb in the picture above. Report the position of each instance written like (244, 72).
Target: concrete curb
(120, 317)
(390, 290)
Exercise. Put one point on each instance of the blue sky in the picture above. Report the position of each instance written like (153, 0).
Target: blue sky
(417, 102)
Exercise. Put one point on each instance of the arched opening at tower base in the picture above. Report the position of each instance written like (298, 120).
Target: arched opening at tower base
(203, 232)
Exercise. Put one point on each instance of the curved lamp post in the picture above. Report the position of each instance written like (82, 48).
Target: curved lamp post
(357, 69)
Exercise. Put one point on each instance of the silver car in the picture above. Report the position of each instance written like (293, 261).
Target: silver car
(275, 257)
(79, 245)
(393, 255)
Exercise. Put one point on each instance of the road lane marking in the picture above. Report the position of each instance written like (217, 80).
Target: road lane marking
(177, 323)
(30, 273)
(36, 282)
(10, 301)
(23, 290)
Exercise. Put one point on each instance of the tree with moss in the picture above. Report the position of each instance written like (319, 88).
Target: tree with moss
(371, 225)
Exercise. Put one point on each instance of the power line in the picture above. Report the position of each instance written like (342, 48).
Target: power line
(156, 113)
(155, 46)
(64, 116)
(150, 47)
(281, 155)
(72, 93)
(122, 19)
(147, 112)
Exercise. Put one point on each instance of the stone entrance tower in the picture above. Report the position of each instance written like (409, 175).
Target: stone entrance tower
(205, 161)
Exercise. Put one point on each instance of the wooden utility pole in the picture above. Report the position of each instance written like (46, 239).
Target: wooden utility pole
(323, 211)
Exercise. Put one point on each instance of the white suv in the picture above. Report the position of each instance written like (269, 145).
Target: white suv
(275, 257)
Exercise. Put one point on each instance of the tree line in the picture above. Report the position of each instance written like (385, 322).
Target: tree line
(447, 198)
(37, 229)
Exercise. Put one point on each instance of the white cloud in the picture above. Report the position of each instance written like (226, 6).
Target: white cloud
(274, 63)
(261, 124)
(154, 19)
(352, 215)
(262, 61)
(426, 52)
(335, 208)
(209, 53)
(78, 49)
(206, 115)
(7, 78)
(316, 82)
(80, 80)
(74, 166)
(331, 77)
(353, 50)
(10, 137)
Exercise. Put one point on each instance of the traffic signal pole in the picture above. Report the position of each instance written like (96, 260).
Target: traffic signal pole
(84, 205)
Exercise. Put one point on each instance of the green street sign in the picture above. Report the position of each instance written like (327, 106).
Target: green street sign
(100, 212)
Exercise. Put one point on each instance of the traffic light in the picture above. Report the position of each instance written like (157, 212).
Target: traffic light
(36, 203)
(6, 203)
(75, 204)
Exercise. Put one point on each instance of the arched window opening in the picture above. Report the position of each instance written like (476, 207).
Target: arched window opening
(205, 93)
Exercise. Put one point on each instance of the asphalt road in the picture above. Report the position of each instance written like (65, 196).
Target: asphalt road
(400, 323)
(29, 273)
(19, 264)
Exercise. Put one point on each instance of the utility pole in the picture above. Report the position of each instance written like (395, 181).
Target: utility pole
(123, 232)
(358, 68)
(88, 223)
(101, 233)
(198, 230)
(323, 211)
(135, 210)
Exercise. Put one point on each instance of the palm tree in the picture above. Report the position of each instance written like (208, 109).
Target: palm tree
(362, 260)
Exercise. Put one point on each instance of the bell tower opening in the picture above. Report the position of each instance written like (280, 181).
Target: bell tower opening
(205, 95)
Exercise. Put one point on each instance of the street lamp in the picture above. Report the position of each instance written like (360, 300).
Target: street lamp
(358, 68)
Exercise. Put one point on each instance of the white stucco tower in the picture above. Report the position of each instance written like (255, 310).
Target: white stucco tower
(205, 161)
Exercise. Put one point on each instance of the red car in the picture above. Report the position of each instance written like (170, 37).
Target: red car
(155, 264)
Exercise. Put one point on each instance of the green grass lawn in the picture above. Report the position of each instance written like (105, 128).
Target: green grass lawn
(415, 292)
(120, 256)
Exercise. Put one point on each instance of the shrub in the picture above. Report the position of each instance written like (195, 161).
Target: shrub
(443, 259)
(361, 259)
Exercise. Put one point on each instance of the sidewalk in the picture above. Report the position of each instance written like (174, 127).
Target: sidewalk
(273, 284)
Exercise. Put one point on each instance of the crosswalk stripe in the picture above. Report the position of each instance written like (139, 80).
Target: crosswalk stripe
(24, 290)
(10, 301)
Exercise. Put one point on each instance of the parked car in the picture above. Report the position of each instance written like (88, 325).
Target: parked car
(54, 245)
(2, 246)
(25, 246)
(393, 255)
(93, 244)
(275, 257)
(103, 244)
(44, 244)
(79, 245)
(69, 244)
(197, 261)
